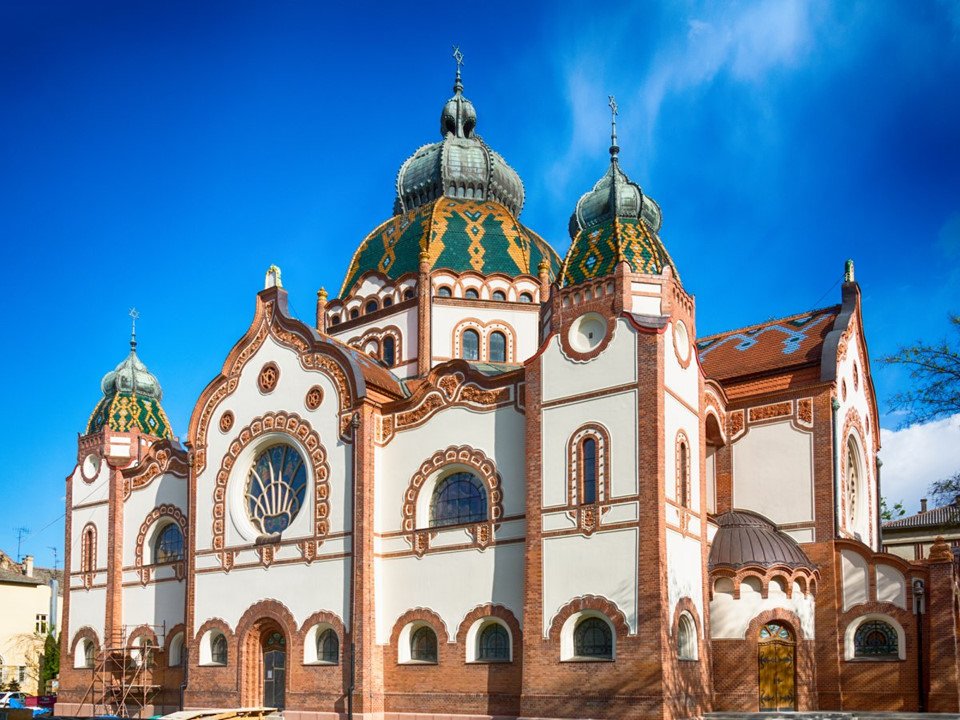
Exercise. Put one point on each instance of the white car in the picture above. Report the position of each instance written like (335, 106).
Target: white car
(6, 697)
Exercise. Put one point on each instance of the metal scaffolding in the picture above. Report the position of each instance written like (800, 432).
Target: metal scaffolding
(128, 677)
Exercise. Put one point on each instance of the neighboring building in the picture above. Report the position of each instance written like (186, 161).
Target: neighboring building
(490, 481)
(911, 537)
(29, 610)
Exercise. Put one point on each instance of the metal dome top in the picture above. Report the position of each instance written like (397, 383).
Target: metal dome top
(461, 165)
(748, 538)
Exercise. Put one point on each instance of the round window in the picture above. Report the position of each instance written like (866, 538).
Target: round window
(681, 339)
(91, 466)
(276, 488)
(587, 332)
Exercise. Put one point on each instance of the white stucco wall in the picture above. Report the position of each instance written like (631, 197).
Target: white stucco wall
(684, 572)
(855, 579)
(616, 365)
(730, 617)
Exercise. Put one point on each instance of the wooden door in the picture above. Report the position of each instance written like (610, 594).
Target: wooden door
(777, 668)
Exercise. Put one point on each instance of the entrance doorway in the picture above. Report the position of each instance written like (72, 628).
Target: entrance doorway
(274, 670)
(777, 652)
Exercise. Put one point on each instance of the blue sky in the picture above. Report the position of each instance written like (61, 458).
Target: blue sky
(163, 154)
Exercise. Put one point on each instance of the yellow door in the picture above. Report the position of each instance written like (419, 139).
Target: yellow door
(776, 668)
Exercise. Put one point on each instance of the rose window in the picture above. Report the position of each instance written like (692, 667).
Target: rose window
(276, 488)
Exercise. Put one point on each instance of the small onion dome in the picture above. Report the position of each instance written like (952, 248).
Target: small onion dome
(461, 165)
(457, 235)
(131, 400)
(748, 538)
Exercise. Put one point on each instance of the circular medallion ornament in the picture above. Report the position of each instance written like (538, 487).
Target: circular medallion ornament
(226, 421)
(681, 341)
(90, 467)
(268, 378)
(314, 397)
(587, 332)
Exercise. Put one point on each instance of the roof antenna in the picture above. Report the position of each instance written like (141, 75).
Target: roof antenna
(133, 328)
(614, 111)
(458, 56)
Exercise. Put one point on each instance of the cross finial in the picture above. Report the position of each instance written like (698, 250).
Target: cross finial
(458, 57)
(614, 111)
(133, 327)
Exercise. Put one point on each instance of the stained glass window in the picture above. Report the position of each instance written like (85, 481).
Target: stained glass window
(168, 547)
(876, 639)
(276, 488)
(328, 646)
(592, 638)
(423, 645)
(459, 498)
(498, 347)
(775, 631)
(471, 345)
(494, 643)
(589, 465)
(218, 649)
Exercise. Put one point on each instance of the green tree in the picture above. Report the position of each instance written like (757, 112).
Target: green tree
(935, 372)
(946, 491)
(49, 661)
(891, 513)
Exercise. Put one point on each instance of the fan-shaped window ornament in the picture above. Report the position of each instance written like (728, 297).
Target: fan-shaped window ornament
(494, 643)
(328, 646)
(498, 347)
(276, 488)
(592, 638)
(775, 631)
(423, 645)
(168, 546)
(471, 345)
(876, 639)
(458, 499)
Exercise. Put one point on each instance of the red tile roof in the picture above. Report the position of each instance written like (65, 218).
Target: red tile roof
(774, 345)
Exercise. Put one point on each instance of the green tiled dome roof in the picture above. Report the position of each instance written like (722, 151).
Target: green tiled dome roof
(458, 235)
(131, 400)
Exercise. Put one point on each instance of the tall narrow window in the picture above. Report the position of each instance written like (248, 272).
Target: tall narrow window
(328, 646)
(683, 474)
(389, 351)
(471, 345)
(218, 649)
(88, 553)
(588, 454)
(686, 638)
(498, 347)
(89, 653)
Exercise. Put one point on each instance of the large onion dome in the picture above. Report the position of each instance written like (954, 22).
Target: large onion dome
(458, 201)
(131, 400)
(748, 538)
(613, 223)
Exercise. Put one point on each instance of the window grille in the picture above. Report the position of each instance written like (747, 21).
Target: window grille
(876, 639)
(494, 643)
(592, 638)
(423, 645)
(276, 488)
(459, 498)
(328, 646)
(168, 547)
(471, 345)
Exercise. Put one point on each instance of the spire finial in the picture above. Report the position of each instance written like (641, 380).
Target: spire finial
(458, 57)
(133, 328)
(848, 271)
(614, 111)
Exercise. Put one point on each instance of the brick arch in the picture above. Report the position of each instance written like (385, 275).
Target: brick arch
(267, 609)
(284, 423)
(779, 615)
(608, 608)
(153, 517)
(142, 631)
(685, 604)
(495, 611)
(425, 615)
(256, 622)
(85, 633)
(168, 640)
(215, 624)
(324, 616)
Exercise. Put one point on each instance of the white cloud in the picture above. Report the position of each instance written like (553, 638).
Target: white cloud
(916, 456)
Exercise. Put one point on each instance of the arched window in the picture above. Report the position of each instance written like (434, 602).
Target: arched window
(168, 545)
(335, 320)
(354, 314)
(389, 351)
(499, 295)
(89, 654)
(387, 302)
(459, 498)
(176, 655)
(218, 649)
(686, 638)
(444, 291)
(853, 481)
(526, 297)
(498, 347)
(471, 294)
(423, 645)
(328, 646)
(592, 638)
(276, 488)
(494, 643)
(588, 470)
(370, 307)
(876, 639)
(683, 473)
(408, 294)
(470, 345)
(88, 551)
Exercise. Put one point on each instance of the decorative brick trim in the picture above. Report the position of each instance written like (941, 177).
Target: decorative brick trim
(377, 335)
(587, 515)
(485, 469)
(484, 330)
(142, 631)
(608, 608)
(226, 421)
(88, 554)
(684, 362)
(268, 378)
(771, 411)
(178, 516)
(853, 426)
(735, 424)
(778, 615)
(162, 457)
(424, 615)
(216, 624)
(602, 308)
(269, 609)
(313, 398)
(291, 424)
(328, 617)
(171, 633)
(492, 610)
(84, 633)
